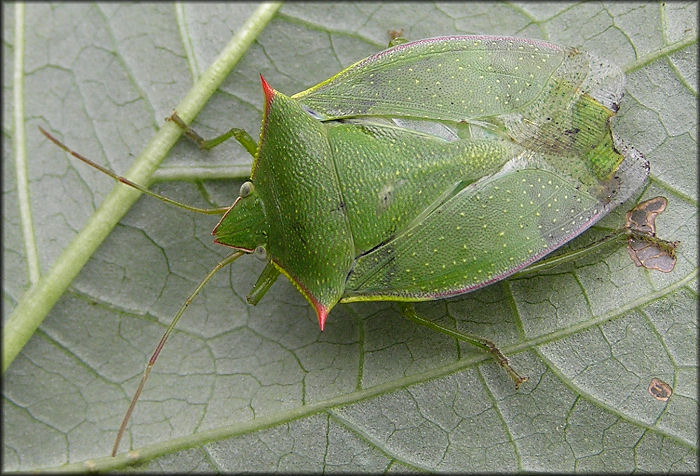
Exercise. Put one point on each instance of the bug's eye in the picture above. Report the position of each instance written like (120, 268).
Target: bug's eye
(260, 252)
(246, 189)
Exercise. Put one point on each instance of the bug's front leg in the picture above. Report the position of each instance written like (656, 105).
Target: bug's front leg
(240, 135)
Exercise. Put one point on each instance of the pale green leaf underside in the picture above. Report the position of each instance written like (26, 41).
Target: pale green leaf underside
(260, 388)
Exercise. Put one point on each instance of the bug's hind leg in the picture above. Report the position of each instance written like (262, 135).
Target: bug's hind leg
(409, 311)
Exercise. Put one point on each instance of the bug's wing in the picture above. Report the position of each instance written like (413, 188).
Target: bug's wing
(522, 89)
(489, 230)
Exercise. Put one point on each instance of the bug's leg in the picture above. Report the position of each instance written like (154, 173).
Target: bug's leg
(409, 311)
(597, 246)
(644, 247)
(240, 135)
(266, 279)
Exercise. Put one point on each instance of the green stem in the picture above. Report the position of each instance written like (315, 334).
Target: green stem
(40, 298)
(20, 150)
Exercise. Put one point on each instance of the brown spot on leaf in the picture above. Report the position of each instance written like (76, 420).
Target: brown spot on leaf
(643, 246)
(659, 389)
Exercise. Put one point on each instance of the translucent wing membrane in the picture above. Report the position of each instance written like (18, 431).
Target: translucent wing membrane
(451, 78)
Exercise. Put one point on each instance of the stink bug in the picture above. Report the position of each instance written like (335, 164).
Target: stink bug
(428, 170)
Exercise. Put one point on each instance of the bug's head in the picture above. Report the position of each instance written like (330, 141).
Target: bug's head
(244, 226)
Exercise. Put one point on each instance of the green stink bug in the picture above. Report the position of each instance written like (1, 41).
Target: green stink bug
(420, 224)
(429, 170)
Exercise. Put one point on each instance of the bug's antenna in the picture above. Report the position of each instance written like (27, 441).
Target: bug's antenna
(126, 181)
(151, 362)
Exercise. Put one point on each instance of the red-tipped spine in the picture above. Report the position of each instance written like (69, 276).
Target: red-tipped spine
(267, 90)
(322, 314)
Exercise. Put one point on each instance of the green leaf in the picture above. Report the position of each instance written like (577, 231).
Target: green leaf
(260, 388)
